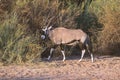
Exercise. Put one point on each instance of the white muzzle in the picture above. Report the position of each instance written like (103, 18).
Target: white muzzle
(43, 36)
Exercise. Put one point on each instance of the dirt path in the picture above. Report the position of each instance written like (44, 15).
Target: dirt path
(104, 68)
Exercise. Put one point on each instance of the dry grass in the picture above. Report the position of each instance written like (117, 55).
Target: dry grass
(108, 39)
(21, 23)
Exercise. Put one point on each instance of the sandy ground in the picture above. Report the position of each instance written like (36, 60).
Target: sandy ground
(104, 68)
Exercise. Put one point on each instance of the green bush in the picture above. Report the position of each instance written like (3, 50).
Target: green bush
(15, 44)
(108, 38)
(21, 22)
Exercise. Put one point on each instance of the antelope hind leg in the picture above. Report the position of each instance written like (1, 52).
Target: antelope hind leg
(83, 52)
(63, 53)
(91, 57)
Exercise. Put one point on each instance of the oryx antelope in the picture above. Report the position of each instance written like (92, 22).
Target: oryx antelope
(62, 36)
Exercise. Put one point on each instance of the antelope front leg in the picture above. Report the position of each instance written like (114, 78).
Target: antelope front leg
(63, 50)
(51, 51)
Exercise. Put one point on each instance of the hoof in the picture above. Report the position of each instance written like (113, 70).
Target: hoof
(80, 60)
(48, 58)
(63, 60)
(92, 61)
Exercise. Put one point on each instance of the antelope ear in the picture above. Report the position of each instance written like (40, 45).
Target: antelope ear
(49, 27)
(44, 29)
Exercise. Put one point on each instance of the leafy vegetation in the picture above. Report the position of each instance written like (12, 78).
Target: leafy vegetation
(108, 12)
(21, 22)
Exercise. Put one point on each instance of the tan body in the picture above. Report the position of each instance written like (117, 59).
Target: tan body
(63, 36)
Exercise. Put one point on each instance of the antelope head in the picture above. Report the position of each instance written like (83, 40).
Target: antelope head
(45, 32)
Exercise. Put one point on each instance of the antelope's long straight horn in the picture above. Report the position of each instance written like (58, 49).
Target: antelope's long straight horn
(50, 20)
(47, 19)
